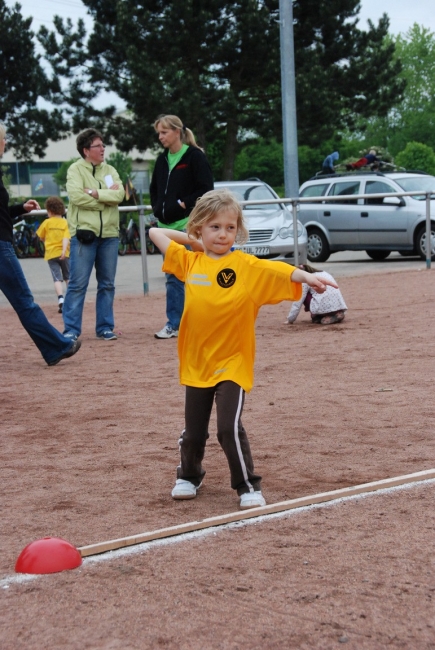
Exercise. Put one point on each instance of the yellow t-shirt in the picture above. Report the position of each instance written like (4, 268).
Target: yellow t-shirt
(216, 341)
(52, 231)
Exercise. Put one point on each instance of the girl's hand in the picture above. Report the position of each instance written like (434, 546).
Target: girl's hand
(319, 284)
(196, 245)
(314, 281)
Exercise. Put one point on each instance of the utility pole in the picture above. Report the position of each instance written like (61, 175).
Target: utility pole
(288, 94)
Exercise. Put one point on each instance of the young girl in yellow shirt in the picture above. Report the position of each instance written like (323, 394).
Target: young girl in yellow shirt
(225, 289)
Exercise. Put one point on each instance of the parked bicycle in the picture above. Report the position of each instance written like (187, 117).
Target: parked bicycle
(129, 236)
(26, 243)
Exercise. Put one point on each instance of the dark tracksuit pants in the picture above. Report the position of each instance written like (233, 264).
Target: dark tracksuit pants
(232, 436)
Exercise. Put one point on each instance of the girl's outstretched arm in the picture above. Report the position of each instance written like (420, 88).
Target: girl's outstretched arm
(317, 283)
(162, 237)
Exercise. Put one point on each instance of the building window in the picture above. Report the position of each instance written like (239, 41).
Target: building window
(141, 181)
(42, 184)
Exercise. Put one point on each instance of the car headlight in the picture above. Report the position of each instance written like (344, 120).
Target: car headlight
(286, 232)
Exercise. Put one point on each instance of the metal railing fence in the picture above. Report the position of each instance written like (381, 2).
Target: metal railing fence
(293, 202)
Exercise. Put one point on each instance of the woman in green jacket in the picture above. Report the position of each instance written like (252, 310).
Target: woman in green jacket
(95, 191)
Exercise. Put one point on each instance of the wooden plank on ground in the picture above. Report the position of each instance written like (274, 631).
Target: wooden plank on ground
(282, 506)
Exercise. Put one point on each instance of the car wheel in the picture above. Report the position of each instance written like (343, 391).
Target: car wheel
(378, 255)
(420, 242)
(317, 246)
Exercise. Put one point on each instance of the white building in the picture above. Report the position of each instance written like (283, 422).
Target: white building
(35, 178)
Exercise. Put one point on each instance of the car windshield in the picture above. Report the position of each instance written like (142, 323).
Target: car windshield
(254, 193)
(424, 183)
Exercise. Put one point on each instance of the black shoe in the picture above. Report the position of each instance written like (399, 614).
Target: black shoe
(60, 308)
(73, 349)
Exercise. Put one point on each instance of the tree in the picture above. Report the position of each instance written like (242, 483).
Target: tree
(216, 65)
(122, 164)
(263, 159)
(60, 176)
(417, 156)
(23, 83)
(342, 73)
(412, 118)
(6, 177)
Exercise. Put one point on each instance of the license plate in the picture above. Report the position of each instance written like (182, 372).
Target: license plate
(256, 250)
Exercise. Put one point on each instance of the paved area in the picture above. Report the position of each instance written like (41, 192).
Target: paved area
(129, 277)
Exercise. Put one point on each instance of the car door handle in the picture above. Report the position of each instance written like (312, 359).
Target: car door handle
(364, 214)
(326, 214)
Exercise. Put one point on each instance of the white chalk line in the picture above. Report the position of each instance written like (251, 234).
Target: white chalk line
(22, 578)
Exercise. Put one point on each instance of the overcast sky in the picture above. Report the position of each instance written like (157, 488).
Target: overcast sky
(402, 14)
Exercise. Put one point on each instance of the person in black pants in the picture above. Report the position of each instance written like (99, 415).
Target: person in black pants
(52, 344)
(181, 175)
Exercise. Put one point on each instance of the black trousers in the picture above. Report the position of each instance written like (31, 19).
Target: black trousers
(231, 434)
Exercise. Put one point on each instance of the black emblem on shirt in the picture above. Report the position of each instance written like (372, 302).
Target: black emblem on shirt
(226, 278)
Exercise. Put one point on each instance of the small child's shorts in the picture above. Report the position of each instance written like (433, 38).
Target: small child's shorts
(59, 269)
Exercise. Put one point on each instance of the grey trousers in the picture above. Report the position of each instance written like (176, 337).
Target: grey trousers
(231, 435)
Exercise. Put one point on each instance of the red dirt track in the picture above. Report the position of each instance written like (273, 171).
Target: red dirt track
(89, 450)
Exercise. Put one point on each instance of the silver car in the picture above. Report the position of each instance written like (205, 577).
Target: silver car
(270, 226)
(378, 225)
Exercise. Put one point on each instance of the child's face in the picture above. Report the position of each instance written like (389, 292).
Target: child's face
(219, 233)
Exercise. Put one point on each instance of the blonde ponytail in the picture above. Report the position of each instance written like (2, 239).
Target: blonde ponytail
(173, 122)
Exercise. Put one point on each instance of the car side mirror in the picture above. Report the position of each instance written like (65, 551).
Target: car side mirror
(393, 200)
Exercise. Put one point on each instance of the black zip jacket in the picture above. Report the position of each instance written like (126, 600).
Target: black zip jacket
(189, 179)
(7, 214)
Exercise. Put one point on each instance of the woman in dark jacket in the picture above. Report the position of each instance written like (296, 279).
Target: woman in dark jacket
(181, 175)
(52, 344)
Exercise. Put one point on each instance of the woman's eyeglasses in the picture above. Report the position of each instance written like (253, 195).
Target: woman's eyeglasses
(97, 146)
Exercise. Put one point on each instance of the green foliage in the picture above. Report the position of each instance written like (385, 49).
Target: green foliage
(417, 156)
(60, 176)
(262, 159)
(310, 161)
(413, 118)
(280, 190)
(23, 83)
(342, 73)
(122, 164)
(6, 177)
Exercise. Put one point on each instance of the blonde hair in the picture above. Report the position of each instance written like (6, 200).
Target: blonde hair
(2, 131)
(206, 208)
(173, 122)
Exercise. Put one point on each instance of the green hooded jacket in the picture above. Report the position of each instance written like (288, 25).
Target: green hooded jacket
(99, 215)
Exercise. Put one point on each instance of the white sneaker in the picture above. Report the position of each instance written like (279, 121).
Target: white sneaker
(252, 500)
(166, 333)
(184, 489)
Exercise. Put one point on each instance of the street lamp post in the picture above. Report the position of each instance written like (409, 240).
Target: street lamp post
(289, 122)
(288, 94)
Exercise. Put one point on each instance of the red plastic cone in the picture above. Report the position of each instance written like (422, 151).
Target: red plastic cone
(48, 555)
